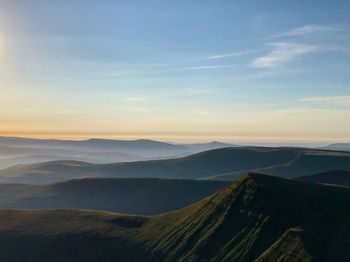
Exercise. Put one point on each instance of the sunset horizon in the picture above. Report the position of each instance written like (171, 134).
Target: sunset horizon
(247, 73)
(163, 131)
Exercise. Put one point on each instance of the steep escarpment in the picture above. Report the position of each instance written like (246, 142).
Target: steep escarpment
(257, 218)
(239, 223)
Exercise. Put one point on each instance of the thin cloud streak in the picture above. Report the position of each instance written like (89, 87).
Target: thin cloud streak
(343, 100)
(282, 53)
(207, 67)
(229, 55)
(309, 29)
(137, 99)
(306, 30)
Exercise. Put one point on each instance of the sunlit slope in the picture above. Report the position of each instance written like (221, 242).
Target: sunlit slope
(258, 218)
(286, 162)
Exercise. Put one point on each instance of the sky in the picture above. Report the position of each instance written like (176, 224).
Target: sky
(257, 70)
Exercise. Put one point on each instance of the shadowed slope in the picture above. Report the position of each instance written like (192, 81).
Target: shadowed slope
(305, 162)
(143, 196)
(338, 177)
(258, 218)
(68, 235)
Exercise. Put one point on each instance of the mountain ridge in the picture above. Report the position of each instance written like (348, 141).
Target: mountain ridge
(286, 162)
(257, 218)
(15, 150)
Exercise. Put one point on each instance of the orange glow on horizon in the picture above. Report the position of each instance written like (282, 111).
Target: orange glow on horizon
(176, 137)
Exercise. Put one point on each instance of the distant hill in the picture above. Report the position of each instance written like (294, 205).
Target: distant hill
(339, 177)
(258, 218)
(339, 147)
(304, 162)
(14, 151)
(209, 146)
(286, 162)
(143, 196)
(89, 143)
(192, 167)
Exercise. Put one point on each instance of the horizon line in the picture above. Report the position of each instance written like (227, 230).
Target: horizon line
(176, 138)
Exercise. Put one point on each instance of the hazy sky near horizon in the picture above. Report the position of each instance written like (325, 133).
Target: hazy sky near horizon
(226, 70)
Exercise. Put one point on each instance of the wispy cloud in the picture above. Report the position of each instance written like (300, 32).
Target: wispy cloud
(202, 113)
(137, 99)
(309, 29)
(207, 67)
(140, 109)
(342, 100)
(283, 53)
(306, 30)
(229, 55)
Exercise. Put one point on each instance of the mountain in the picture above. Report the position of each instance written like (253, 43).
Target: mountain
(212, 164)
(93, 142)
(142, 196)
(338, 147)
(257, 218)
(310, 163)
(192, 167)
(14, 150)
(209, 146)
(338, 177)
(304, 162)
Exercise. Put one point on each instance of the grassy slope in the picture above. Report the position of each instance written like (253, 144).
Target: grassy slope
(144, 196)
(67, 235)
(246, 221)
(257, 218)
(288, 162)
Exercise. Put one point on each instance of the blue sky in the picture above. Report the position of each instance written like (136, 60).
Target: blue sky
(176, 70)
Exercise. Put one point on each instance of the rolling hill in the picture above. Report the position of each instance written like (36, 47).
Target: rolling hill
(338, 177)
(92, 143)
(285, 162)
(14, 150)
(144, 196)
(257, 218)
